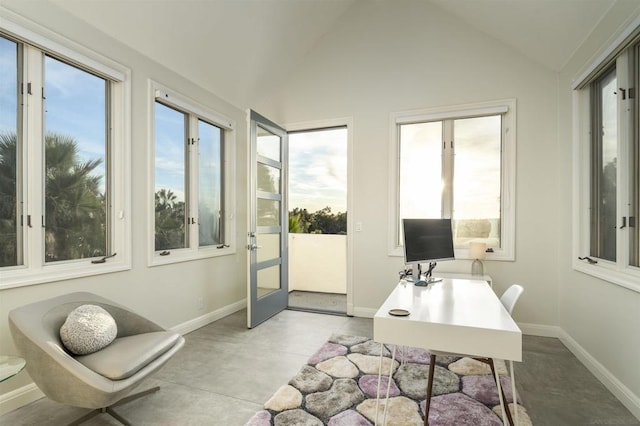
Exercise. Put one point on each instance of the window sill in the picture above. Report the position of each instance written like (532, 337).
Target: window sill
(22, 276)
(186, 255)
(463, 254)
(628, 278)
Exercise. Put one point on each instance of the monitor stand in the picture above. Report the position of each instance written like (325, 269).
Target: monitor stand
(428, 278)
(426, 282)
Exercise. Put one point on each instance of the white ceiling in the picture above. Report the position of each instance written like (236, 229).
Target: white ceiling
(547, 31)
(265, 39)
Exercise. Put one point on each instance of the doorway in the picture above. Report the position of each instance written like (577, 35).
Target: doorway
(318, 239)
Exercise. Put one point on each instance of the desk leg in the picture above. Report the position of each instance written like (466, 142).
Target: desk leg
(427, 403)
(379, 381)
(497, 377)
(513, 392)
(393, 355)
(386, 400)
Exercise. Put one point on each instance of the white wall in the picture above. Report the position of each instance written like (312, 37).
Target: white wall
(600, 320)
(167, 294)
(384, 57)
(394, 56)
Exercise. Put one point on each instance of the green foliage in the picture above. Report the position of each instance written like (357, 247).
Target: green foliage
(75, 206)
(170, 221)
(8, 234)
(321, 222)
(294, 224)
(473, 228)
(75, 221)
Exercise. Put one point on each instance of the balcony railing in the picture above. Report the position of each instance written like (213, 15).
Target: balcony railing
(318, 262)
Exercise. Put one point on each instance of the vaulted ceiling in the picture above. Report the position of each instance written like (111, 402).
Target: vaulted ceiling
(265, 39)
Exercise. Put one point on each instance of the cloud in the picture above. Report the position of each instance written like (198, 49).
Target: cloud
(318, 170)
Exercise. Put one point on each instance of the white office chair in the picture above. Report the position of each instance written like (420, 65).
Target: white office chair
(508, 300)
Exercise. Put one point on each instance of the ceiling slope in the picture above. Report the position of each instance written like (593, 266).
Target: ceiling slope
(547, 31)
(240, 49)
(231, 48)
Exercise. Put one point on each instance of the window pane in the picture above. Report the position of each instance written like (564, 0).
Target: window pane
(10, 242)
(268, 280)
(420, 171)
(268, 144)
(604, 167)
(268, 179)
(269, 247)
(268, 212)
(476, 180)
(210, 184)
(170, 174)
(634, 173)
(75, 172)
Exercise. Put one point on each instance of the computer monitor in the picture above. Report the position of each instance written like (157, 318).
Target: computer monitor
(427, 241)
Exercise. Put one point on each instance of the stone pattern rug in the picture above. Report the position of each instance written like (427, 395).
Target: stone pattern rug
(338, 387)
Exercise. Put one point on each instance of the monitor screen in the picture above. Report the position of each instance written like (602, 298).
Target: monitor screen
(427, 240)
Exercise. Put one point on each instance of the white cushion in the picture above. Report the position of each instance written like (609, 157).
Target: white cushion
(87, 329)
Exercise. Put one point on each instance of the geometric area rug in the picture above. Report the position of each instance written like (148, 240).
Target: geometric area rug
(338, 387)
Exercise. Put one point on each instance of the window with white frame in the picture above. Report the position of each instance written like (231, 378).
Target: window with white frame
(63, 128)
(457, 162)
(607, 150)
(192, 147)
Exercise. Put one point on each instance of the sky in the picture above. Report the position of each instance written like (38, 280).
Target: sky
(318, 170)
(75, 104)
(7, 86)
(170, 163)
(476, 169)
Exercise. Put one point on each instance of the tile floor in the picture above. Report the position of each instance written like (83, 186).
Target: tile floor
(226, 372)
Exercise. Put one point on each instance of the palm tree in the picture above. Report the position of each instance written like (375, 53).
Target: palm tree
(75, 205)
(8, 200)
(75, 208)
(170, 220)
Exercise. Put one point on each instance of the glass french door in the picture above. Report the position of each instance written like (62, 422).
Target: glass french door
(267, 241)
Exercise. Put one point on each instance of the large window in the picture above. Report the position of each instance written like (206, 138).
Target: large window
(607, 151)
(457, 163)
(192, 148)
(75, 148)
(62, 160)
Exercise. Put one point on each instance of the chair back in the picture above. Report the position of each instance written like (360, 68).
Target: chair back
(511, 296)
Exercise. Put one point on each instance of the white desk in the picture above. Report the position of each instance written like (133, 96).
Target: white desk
(452, 315)
(464, 276)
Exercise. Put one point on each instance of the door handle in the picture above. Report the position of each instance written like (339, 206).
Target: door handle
(252, 247)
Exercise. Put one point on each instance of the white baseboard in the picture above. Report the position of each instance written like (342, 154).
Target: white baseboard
(617, 388)
(539, 330)
(19, 398)
(196, 323)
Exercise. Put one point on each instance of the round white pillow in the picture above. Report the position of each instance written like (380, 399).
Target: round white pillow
(87, 329)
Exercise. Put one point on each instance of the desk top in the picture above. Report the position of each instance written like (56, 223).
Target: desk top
(453, 315)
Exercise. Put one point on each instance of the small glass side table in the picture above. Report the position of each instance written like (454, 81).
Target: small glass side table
(10, 366)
